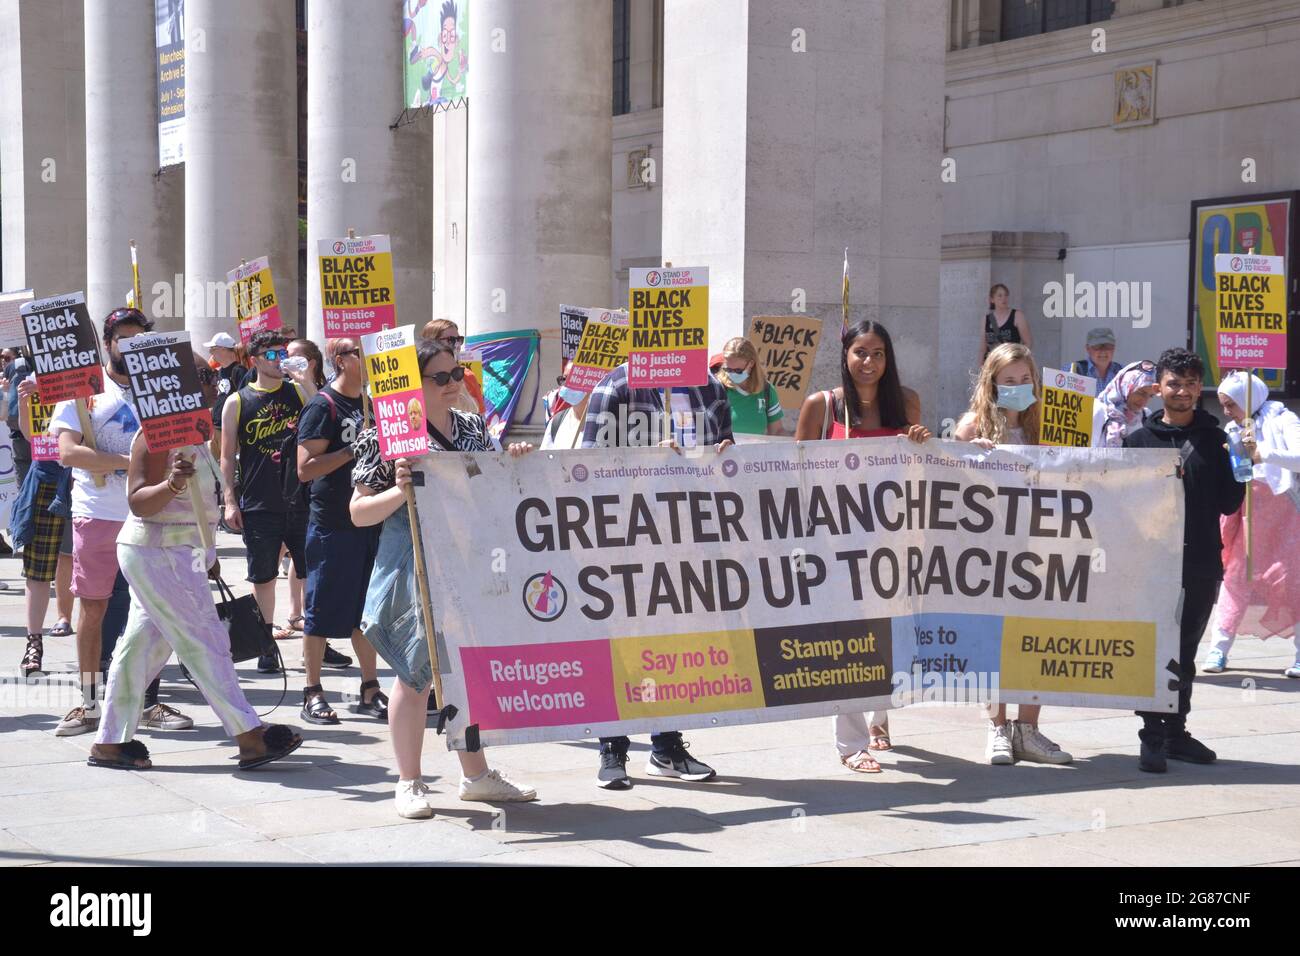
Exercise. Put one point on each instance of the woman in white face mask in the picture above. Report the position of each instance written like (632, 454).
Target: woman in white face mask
(1004, 410)
(1270, 436)
(755, 406)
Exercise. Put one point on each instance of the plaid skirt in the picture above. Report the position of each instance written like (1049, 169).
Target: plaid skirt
(41, 556)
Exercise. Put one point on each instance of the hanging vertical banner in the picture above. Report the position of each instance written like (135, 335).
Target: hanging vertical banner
(669, 310)
(11, 322)
(64, 347)
(253, 294)
(165, 389)
(1250, 311)
(1067, 409)
(507, 359)
(169, 50)
(393, 370)
(786, 345)
(45, 447)
(436, 52)
(356, 286)
(573, 319)
(603, 348)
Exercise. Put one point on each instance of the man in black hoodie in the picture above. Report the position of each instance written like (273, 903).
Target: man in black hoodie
(1209, 491)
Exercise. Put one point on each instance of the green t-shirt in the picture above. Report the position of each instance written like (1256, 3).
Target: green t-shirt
(751, 414)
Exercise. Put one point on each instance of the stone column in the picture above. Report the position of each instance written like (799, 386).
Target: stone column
(241, 176)
(540, 156)
(360, 173)
(42, 146)
(126, 197)
(792, 132)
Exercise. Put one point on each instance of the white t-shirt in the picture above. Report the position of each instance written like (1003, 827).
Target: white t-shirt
(112, 417)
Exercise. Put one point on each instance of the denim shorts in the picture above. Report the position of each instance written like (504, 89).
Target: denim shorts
(339, 562)
(391, 620)
(264, 532)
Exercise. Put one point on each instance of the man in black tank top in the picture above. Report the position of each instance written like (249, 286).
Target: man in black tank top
(254, 424)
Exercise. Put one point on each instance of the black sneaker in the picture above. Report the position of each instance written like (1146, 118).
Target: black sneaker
(334, 659)
(1183, 746)
(268, 664)
(676, 762)
(1152, 758)
(613, 770)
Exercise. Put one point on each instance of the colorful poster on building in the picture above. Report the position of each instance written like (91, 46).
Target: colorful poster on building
(507, 358)
(436, 52)
(396, 393)
(169, 57)
(11, 321)
(1066, 414)
(788, 580)
(64, 348)
(253, 294)
(787, 345)
(165, 389)
(603, 348)
(45, 447)
(1250, 307)
(1265, 224)
(356, 286)
(669, 314)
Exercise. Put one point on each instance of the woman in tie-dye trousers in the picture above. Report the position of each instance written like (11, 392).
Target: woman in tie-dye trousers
(162, 557)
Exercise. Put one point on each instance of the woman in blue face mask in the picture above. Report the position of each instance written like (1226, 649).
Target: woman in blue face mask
(1004, 410)
(567, 408)
(755, 406)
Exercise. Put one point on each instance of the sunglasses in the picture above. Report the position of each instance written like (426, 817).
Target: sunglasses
(275, 355)
(343, 352)
(455, 341)
(444, 378)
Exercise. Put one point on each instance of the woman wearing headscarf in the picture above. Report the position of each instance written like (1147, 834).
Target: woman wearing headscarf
(1122, 405)
(1270, 435)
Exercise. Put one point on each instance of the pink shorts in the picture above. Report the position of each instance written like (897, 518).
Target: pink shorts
(94, 557)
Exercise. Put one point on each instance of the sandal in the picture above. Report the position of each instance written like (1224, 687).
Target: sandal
(315, 709)
(279, 740)
(296, 623)
(131, 755)
(62, 629)
(33, 656)
(283, 633)
(378, 704)
(879, 738)
(861, 762)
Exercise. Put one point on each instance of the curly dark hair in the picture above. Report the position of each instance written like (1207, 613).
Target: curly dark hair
(1181, 363)
(268, 339)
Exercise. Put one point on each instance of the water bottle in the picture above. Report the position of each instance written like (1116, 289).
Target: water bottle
(294, 363)
(1242, 467)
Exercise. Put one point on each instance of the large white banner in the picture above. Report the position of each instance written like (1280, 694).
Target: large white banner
(604, 592)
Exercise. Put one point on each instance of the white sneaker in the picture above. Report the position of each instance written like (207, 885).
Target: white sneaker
(411, 801)
(162, 717)
(1029, 743)
(1000, 751)
(1215, 661)
(79, 721)
(495, 787)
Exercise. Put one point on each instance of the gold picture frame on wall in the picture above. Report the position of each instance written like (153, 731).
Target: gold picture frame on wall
(1134, 103)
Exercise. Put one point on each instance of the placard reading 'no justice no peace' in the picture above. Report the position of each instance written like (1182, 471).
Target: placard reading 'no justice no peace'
(356, 285)
(1250, 306)
(669, 316)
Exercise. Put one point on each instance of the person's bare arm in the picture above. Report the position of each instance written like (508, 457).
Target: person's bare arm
(1026, 336)
(912, 412)
(73, 454)
(25, 390)
(811, 417)
(147, 488)
(229, 452)
(315, 462)
(370, 507)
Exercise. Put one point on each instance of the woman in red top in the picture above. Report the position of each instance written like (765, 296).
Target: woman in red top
(870, 402)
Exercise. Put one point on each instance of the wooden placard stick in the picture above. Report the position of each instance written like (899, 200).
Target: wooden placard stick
(88, 438)
(365, 377)
(422, 584)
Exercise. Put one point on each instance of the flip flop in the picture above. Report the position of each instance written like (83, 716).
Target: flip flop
(280, 742)
(131, 751)
(62, 629)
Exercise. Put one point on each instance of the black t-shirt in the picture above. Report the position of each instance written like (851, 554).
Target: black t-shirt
(265, 419)
(233, 377)
(340, 425)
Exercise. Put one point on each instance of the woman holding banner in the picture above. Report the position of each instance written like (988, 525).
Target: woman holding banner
(389, 620)
(568, 412)
(1270, 435)
(1004, 410)
(755, 406)
(1121, 407)
(172, 609)
(870, 402)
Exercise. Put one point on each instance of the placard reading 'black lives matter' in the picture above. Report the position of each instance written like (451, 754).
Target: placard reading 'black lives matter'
(166, 391)
(642, 589)
(64, 347)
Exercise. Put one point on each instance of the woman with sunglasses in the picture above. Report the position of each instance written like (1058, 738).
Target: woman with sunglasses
(388, 621)
(1122, 405)
(445, 330)
(755, 405)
